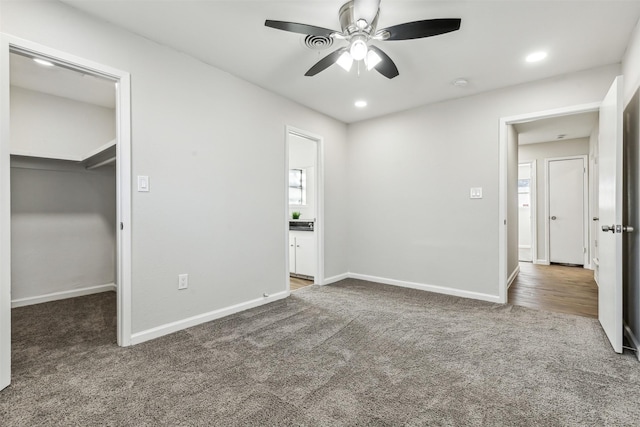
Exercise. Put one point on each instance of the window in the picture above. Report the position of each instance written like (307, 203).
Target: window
(297, 187)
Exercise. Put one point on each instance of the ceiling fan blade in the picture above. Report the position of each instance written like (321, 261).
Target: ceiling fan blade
(386, 67)
(365, 9)
(325, 62)
(420, 29)
(299, 28)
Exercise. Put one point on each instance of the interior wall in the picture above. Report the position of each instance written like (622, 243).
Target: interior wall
(63, 227)
(302, 155)
(631, 65)
(58, 127)
(194, 128)
(631, 215)
(411, 218)
(540, 152)
(512, 201)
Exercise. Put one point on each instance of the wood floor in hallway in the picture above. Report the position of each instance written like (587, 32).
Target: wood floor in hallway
(298, 283)
(555, 288)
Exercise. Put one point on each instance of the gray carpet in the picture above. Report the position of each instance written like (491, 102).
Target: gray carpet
(354, 353)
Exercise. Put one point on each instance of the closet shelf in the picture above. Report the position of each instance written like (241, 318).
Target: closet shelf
(101, 156)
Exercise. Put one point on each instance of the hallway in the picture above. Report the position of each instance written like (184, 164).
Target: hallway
(557, 288)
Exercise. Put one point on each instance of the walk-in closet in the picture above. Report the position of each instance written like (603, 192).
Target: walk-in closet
(63, 182)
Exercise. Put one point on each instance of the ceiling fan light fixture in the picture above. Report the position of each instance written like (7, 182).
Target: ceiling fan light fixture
(373, 59)
(345, 61)
(358, 49)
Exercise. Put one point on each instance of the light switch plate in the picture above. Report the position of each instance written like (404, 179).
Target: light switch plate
(143, 183)
(475, 193)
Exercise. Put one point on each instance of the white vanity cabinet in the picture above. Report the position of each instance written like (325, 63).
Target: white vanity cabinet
(302, 253)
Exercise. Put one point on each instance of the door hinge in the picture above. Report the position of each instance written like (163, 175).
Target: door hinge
(121, 226)
(505, 222)
(584, 250)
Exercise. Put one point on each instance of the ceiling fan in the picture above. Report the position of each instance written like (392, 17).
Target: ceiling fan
(359, 19)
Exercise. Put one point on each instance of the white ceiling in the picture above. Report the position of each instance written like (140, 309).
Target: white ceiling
(546, 130)
(488, 50)
(63, 82)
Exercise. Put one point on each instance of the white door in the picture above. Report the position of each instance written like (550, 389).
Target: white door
(610, 214)
(566, 210)
(305, 254)
(292, 254)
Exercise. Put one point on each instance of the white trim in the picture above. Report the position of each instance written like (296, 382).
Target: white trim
(334, 279)
(123, 176)
(502, 184)
(585, 206)
(56, 296)
(542, 262)
(169, 328)
(5, 218)
(318, 277)
(430, 288)
(513, 276)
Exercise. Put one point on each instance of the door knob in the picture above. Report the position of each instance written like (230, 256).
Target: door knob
(627, 228)
(554, 218)
(610, 228)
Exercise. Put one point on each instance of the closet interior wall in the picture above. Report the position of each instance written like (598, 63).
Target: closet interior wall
(63, 210)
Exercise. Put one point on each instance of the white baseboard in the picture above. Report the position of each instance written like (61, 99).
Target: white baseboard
(513, 276)
(430, 288)
(334, 279)
(542, 262)
(55, 296)
(168, 328)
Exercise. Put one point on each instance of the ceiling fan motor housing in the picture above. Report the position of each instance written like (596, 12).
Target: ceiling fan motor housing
(348, 22)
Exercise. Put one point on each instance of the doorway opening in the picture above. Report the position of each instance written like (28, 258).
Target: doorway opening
(529, 243)
(65, 168)
(304, 209)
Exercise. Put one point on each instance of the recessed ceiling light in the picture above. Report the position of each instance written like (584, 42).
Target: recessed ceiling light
(360, 104)
(460, 82)
(43, 62)
(536, 56)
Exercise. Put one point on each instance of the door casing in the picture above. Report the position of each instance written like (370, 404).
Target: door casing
(318, 278)
(122, 80)
(505, 123)
(585, 207)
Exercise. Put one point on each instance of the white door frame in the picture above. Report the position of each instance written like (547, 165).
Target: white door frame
(123, 184)
(533, 205)
(505, 122)
(318, 278)
(585, 207)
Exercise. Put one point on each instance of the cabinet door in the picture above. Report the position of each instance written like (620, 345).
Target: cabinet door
(292, 254)
(306, 255)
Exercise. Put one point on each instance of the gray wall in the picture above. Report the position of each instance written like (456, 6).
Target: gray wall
(539, 152)
(411, 218)
(58, 127)
(213, 147)
(631, 68)
(63, 227)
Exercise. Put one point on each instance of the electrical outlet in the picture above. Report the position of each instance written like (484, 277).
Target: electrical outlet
(183, 281)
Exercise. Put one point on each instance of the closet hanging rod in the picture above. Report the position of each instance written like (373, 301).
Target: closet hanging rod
(102, 163)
